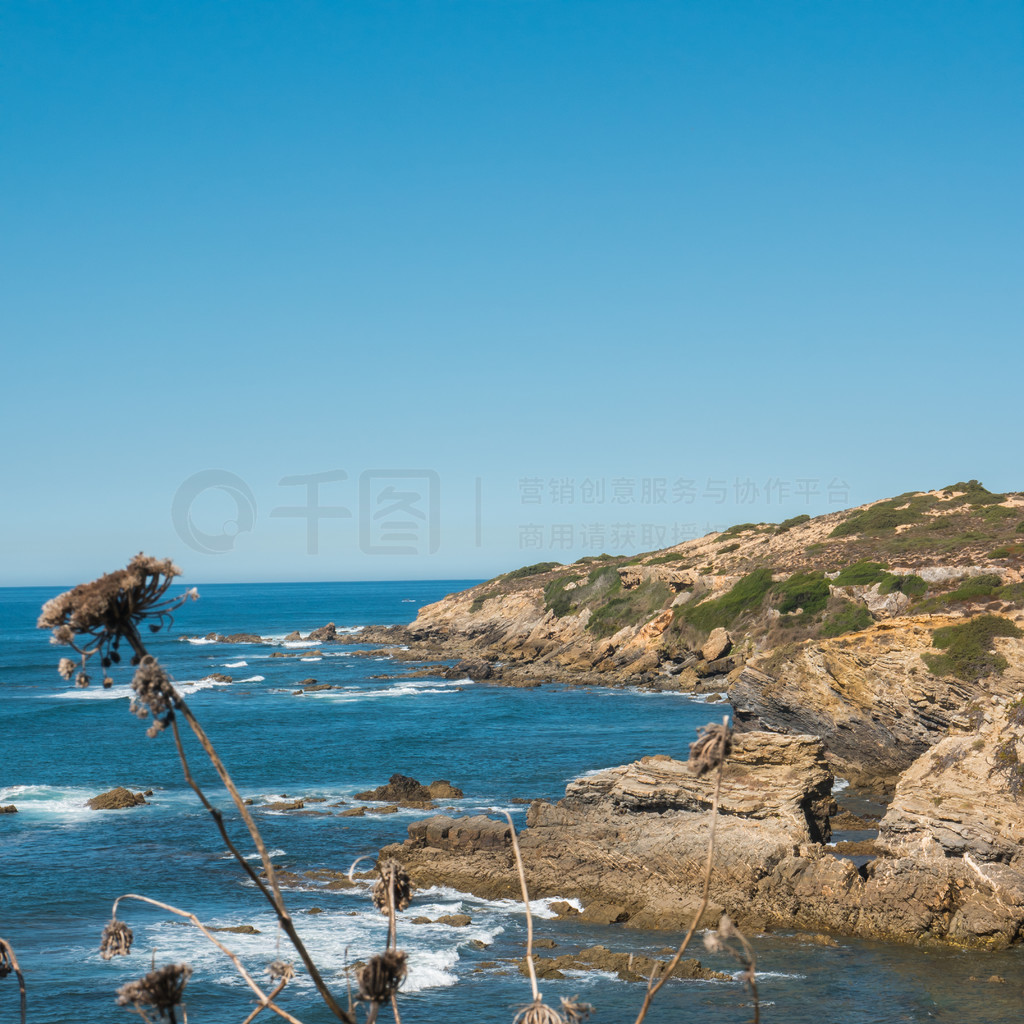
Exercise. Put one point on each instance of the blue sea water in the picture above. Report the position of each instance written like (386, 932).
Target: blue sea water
(62, 865)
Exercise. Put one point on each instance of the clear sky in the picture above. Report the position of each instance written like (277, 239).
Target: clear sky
(518, 280)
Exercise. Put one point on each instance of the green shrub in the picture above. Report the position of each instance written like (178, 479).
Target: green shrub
(739, 528)
(1012, 592)
(788, 524)
(727, 549)
(530, 570)
(746, 594)
(806, 590)
(968, 648)
(1020, 527)
(1008, 551)
(997, 513)
(607, 574)
(559, 600)
(974, 493)
(630, 608)
(973, 588)
(848, 617)
(478, 601)
(886, 515)
(912, 586)
(676, 556)
(590, 559)
(862, 574)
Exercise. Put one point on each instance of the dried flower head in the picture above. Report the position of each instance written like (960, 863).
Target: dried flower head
(729, 939)
(381, 975)
(96, 616)
(161, 988)
(153, 694)
(6, 963)
(82, 680)
(66, 668)
(538, 1012)
(281, 970)
(711, 747)
(394, 877)
(573, 1011)
(116, 939)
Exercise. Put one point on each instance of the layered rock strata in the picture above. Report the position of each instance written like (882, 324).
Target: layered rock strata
(631, 844)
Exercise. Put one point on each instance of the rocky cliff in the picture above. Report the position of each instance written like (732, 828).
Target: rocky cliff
(631, 843)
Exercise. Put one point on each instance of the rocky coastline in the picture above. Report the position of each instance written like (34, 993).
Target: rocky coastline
(882, 644)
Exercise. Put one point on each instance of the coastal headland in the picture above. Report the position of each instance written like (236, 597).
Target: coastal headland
(882, 645)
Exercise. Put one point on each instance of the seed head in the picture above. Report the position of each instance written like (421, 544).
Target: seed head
(153, 693)
(538, 1012)
(380, 977)
(116, 939)
(96, 616)
(66, 668)
(711, 747)
(281, 970)
(394, 877)
(161, 988)
(573, 1011)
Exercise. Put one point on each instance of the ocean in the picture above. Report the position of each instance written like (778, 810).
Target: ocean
(62, 864)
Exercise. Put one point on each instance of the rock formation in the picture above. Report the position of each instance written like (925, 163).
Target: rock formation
(115, 799)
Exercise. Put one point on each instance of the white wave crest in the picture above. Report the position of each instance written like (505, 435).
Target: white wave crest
(236, 664)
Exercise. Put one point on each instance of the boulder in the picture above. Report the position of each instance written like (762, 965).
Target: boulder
(470, 668)
(442, 789)
(293, 637)
(717, 645)
(241, 638)
(400, 789)
(328, 632)
(116, 799)
(455, 920)
(8, 809)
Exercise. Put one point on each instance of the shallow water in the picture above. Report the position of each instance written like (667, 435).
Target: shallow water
(61, 865)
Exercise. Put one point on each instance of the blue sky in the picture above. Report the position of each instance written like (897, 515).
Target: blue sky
(540, 278)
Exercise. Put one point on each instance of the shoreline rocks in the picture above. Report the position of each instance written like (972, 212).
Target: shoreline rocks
(631, 843)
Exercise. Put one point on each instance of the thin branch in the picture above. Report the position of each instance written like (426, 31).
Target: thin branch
(265, 1000)
(526, 907)
(275, 898)
(652, 985)
(7, 953)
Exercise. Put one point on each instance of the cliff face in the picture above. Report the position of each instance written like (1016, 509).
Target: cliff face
(869, 695)
(647, 618)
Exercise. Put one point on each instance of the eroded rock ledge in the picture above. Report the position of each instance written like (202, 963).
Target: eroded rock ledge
(630, 843)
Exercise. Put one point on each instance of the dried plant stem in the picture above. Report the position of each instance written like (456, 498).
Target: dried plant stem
(269, 1003)
(392, 929)
(265, 1000)
(652, 985)
(526, 907)
(8, 954)
(273, 895)
(394, 1010)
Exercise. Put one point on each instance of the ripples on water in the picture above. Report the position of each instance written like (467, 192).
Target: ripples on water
(62, 864)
